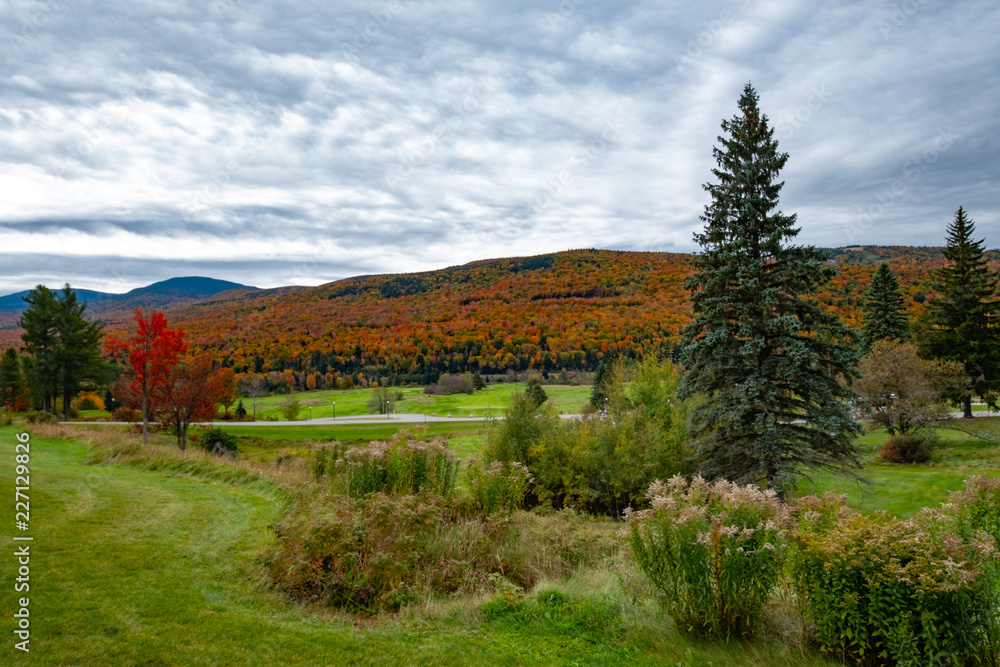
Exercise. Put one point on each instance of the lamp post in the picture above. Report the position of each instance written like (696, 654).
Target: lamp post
(310, 413)
(335, 410)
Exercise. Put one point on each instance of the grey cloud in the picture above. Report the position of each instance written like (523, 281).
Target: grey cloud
(361, 131)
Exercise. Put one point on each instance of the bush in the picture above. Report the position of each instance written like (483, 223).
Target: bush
(126, 414)
(397, 467)
(714, 552)
(217, 441)
(498, 487)
(882, 591)
(975, 508)
(911, 448)
(357, 554)
(41, 417)
(594, 465)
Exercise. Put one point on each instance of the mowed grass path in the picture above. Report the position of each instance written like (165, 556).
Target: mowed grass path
(139, 568)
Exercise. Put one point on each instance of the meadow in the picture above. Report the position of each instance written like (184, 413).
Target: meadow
(156, 558)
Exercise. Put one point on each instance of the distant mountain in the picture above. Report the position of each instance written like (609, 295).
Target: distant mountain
(166, 293)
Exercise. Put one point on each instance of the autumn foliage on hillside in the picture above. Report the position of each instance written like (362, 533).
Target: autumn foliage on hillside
(565, 310)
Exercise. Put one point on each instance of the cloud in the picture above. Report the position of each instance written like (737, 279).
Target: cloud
(294, 144)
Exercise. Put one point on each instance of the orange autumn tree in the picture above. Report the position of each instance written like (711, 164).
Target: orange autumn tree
(150, 353)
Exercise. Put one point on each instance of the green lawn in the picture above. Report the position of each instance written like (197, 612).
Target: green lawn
(351, 402)
(131, 567)
(902, 489)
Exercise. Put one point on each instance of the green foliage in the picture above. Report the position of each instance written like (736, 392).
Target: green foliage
(499, 487)
(880, 591)
(396, 467)
(41, 417)
(62, 347)
(768, 362)
(594, 619)
(884, 312)
(907, 448)
(535, 393)
(600, 466)
(713, 551)
(217, 441)
(977, 507)
(290, 408)
(961, 321)
(10, 377)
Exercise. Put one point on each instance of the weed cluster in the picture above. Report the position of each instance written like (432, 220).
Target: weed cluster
(881, 591)
(713, 550)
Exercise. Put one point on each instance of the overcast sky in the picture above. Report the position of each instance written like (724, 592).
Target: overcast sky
(276, 143)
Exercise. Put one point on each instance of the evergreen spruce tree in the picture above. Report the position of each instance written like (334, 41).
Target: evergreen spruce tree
(883, 309)
(963, 317)
(63, 348)
(10, 378)
(769, 364)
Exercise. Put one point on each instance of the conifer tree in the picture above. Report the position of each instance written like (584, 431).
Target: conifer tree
(884, 310)
(62, 346)
(963, 316)
(10, 377)
(769, 364)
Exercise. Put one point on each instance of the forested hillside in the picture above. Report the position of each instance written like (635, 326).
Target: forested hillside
(548, 312)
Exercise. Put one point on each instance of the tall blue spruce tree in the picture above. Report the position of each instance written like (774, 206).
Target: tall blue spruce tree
(770, 365)
(963, 317)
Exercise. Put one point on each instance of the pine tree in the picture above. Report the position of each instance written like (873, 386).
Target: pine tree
(10, 378)
(63, 349)
(768, 363)
(963, 316)
(883, 309)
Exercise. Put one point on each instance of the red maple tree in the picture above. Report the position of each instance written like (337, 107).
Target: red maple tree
(150, 354)
(188, 396)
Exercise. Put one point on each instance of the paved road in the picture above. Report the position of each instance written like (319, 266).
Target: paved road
(402, 418)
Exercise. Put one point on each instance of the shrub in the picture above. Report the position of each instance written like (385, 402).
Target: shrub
(977, 507)
(397, 467)
(498, 487)
(241, 411)
(911, 448)
(882, 591)
(358, 554)
(127, 414)
(217, 441)
(41, 417)
(714, 552)
(89, 401)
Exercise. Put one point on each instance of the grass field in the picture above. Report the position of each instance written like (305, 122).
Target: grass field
(902, 489)
(132, 567)
(491, 401)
